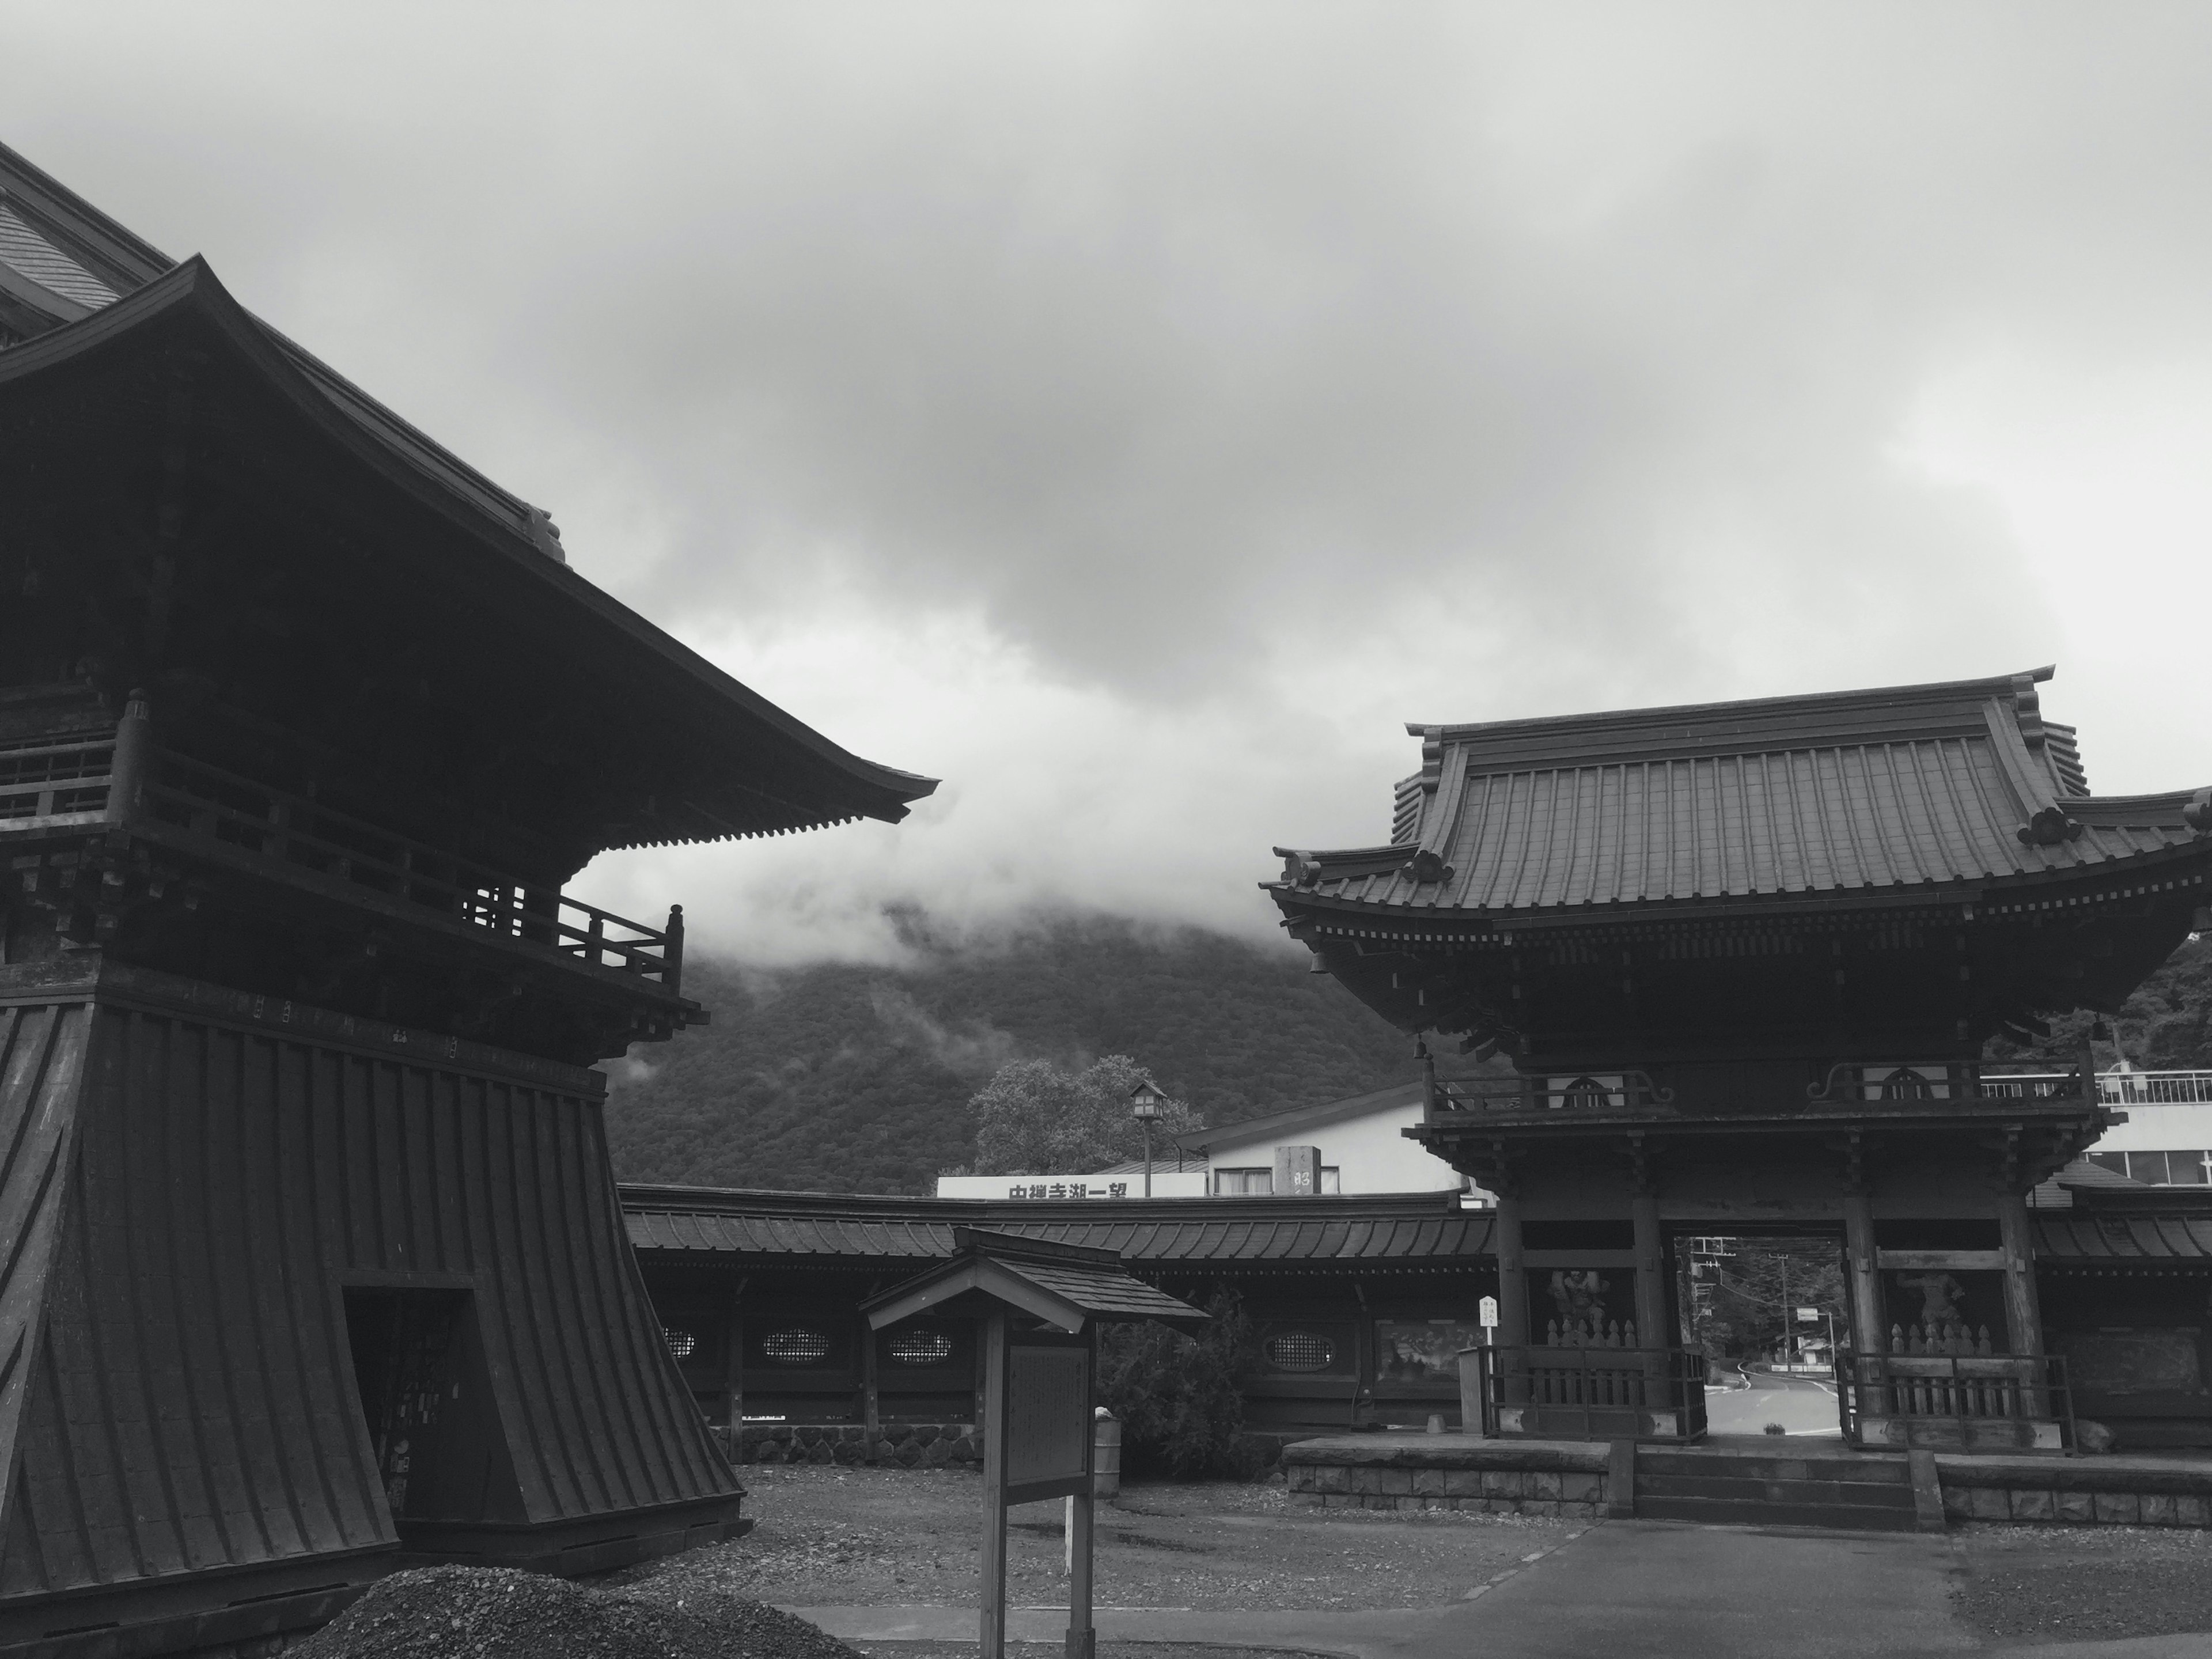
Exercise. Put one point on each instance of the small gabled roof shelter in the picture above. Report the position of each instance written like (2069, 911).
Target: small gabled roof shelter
(1066, 1286)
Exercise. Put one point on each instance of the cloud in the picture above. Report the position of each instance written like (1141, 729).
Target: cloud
(1132, 413)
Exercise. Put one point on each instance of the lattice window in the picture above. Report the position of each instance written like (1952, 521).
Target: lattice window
(921, 1347)
(1300, 1351)
(682, 1343)
(796, 1344)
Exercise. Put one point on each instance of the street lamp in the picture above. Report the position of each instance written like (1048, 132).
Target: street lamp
(1144, 1103)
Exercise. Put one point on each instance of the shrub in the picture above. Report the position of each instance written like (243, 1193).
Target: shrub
(1177, 1395)
(1776, 1428)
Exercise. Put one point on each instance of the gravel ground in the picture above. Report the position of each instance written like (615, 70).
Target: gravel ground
(482, 1613)
(2080, 1583)
(858, 1537)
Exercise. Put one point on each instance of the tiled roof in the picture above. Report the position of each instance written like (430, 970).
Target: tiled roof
(24, 250)
(2122, 1237)
(823, 1229)
(1860, 791)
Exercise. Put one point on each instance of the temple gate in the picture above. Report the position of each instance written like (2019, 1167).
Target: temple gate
(1737, 964)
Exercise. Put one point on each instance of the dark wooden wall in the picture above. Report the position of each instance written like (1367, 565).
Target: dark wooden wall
(205, 1193)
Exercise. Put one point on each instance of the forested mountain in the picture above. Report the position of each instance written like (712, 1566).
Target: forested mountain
(856, 1078)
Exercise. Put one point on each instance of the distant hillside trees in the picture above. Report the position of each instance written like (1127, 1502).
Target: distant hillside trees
(1035, 1117)
(854, 1077)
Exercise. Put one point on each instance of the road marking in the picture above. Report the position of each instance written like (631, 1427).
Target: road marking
(1497, 1578)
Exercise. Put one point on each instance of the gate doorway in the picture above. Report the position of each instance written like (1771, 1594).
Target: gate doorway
(1771, 1310)
(425, 1393)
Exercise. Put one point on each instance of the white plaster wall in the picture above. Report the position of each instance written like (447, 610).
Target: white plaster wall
(2178, 1128)
(1370, 1153)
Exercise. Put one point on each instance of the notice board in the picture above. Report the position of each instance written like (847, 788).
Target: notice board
(1049, 1419)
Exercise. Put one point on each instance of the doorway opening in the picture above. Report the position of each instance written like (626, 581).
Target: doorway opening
(402, 1354)
(1771, 1310)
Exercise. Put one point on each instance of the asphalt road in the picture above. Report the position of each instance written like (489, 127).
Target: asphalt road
(1803, 1405)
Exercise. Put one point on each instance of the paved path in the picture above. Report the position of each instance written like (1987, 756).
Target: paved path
(1803, 1405)
(1626, 1588)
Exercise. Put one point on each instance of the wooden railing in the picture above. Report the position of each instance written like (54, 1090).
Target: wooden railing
(120, 778)
(56, 777)
(1591, 1392)
(1454, 1099)
(1957, 1389)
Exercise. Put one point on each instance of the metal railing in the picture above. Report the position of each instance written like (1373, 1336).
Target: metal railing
(120, 778)
(1952, 1389)
(1592, 1393)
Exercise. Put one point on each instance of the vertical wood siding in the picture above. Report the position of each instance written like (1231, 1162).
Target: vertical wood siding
(185, 1202)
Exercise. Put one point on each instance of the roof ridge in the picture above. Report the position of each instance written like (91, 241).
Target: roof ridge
(1971, 689)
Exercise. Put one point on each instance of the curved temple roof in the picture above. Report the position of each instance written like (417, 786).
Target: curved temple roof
(1779, 798)
(825, 1229)
(74, 285)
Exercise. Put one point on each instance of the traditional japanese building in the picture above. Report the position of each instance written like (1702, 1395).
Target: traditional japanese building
(1744, 958)
(1356, 1307)
(312, 1252)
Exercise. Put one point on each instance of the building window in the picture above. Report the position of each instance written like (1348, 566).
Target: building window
(2157, 1168)
(921, 1347)
(796, 1346)
(1243, 1183)
(1299, 1351)
(682, 1343)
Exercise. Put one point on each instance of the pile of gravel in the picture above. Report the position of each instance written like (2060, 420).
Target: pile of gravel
(485, 1612)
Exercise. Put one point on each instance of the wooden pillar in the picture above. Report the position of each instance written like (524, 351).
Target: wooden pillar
(992, 1634)
(133, 759)
(1863, 1277)
(871, 1402)
(1651, 1330)
(1081, 1639)
(2023, 1308)
(733, 1373)
(1512, 1274)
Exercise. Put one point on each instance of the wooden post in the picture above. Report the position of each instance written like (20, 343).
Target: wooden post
(1510, 1367)
(1869, 1332)
(126, 771)
(733, 1373)
(1081, 1639)
(1512, 1274)
(870, 1415)
(2023, 1310)
(671, 952)
(992, 1634)
(1651, 1331)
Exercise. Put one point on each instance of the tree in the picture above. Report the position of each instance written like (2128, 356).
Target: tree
(1756, 1290)
(1035, 1117)
(1177, 1395)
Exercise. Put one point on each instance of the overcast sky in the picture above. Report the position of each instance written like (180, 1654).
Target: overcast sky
(1132, 415)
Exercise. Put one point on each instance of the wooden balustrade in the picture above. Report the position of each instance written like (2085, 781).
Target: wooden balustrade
(120, 778)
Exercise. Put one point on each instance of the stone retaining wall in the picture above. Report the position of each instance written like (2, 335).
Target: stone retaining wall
(898, 1445)
(2122, 1491)
(1407, 1473)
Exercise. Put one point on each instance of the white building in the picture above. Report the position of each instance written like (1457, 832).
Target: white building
(1347, 1146)
(1359, 1144)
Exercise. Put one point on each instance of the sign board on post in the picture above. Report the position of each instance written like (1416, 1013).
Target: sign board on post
(1487, 1313)
(1039, 1304)
(1048, 1416)
(1808, 1316)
